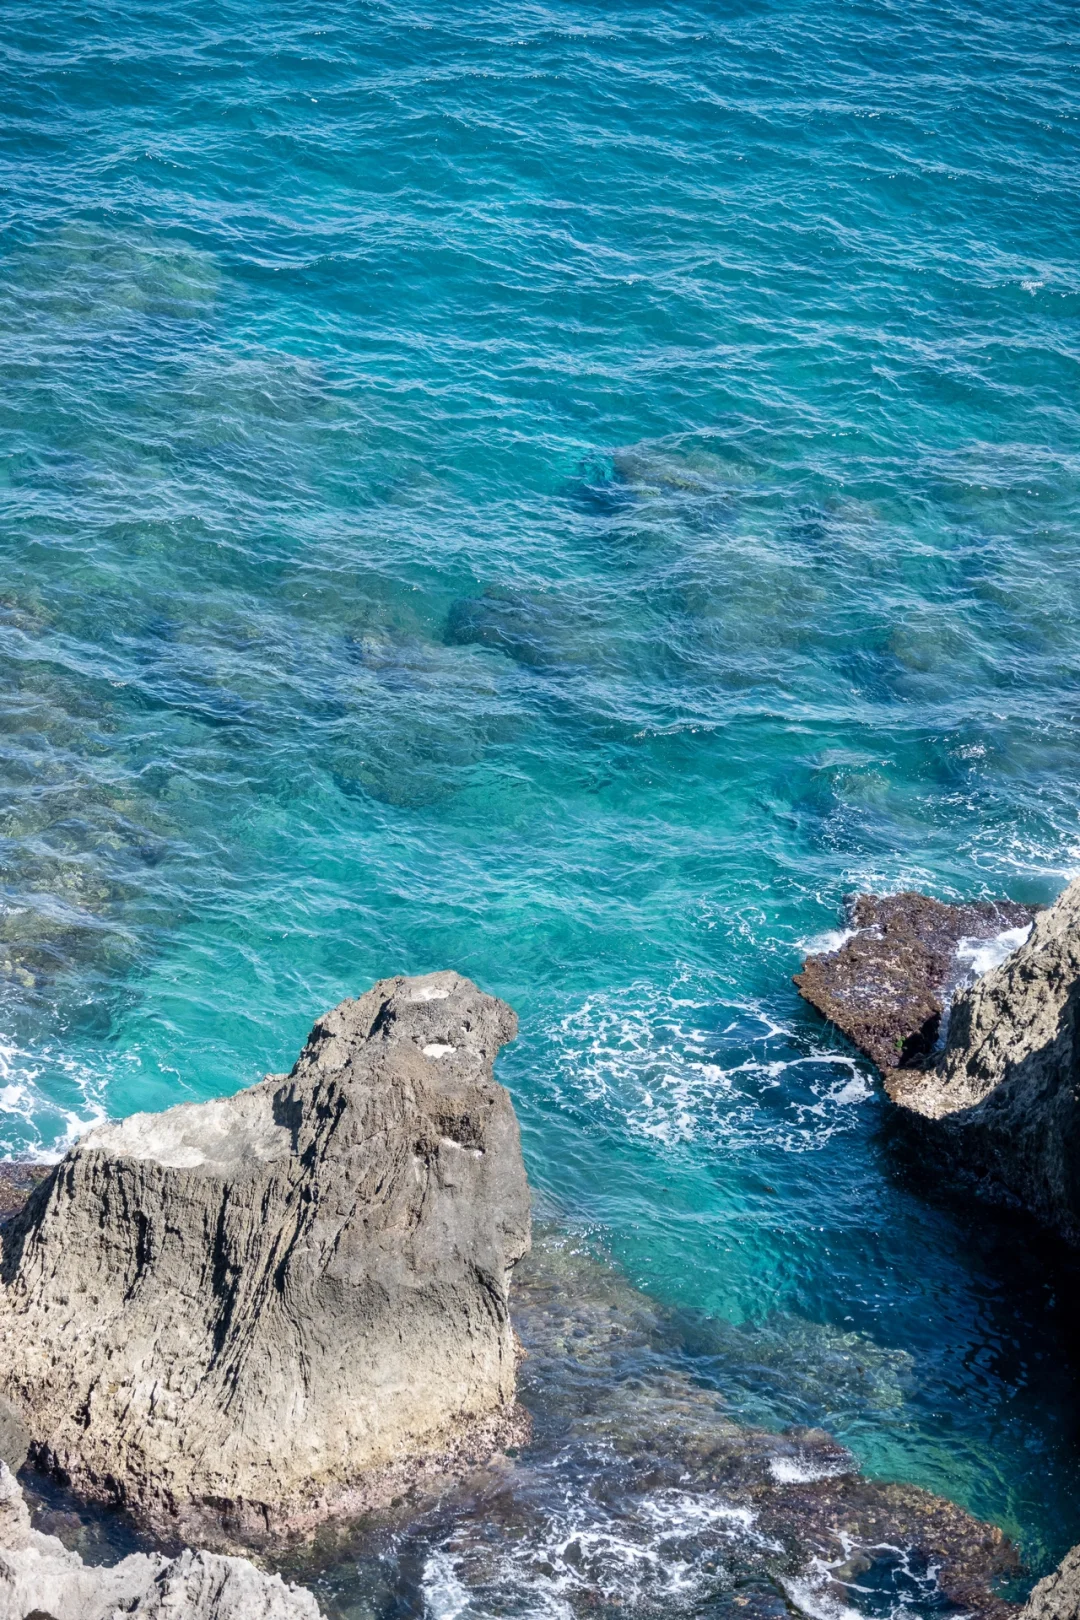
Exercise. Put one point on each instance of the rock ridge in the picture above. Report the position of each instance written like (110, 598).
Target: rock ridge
(239, 1317)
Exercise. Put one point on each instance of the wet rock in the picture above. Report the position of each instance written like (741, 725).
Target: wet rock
(737, 1503)
(887, 987)
(240, 1317)
(18, 1178)
(1057, 1595)
(1002, 1101)
(41, 1580)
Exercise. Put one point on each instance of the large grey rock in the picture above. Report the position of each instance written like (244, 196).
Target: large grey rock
(41, 1580)
(1005, 1096)
(239, 1317)
(1057, 1595)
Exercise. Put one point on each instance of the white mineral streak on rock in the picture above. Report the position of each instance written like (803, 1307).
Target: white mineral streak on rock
(1005, 1094)
(40, 1577)
(243, 1316)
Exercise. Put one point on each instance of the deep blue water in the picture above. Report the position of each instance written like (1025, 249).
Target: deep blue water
(565, 492)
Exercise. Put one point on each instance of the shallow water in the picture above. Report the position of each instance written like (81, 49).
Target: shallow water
(565, 493)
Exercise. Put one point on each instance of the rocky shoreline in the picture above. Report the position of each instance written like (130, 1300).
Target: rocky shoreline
(997, 1104)
(997, 1099)
(242, 1320)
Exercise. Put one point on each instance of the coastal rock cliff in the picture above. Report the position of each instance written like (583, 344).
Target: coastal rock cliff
(41, 1580)
(1005, 1091)
(238, 1317)
(1002, 1098)
(1057, 1595)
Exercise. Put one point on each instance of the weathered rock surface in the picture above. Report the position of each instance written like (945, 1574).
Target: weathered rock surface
(1057, 1595)
(239, 1317)
(1006, 1094)
(887, 987)
(41, 1580)
(656, 1473)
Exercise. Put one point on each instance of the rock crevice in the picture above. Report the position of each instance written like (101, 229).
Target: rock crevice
(40, 1579)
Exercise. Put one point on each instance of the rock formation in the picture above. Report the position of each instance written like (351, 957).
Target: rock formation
(238, 1317)
(1005, 1092)
(1001, 1100)
(1057, 1595)
(888, 985)
(41, 1580)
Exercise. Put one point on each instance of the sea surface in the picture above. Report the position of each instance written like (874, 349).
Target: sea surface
(566, 492)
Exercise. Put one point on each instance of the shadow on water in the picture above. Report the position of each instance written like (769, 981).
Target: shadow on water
(1036, 1273)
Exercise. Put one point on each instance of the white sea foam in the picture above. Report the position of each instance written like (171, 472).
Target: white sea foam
(821, 1592)
(980, 955)
(445, 1595)
(33, 1123)
(833, 939)
(815, 1596)
(661, 1550)
(800, 1470)
(656, 1058)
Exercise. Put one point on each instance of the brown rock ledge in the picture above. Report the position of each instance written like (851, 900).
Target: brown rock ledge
(887, 987)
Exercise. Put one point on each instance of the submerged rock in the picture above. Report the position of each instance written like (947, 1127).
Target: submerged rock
(642, 1492)
(41, 1580)
(1003, 1097)
(888, 985)
(237, 1318)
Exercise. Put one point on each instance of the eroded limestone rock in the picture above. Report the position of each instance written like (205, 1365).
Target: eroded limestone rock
(41, 1580)
(239, 1317)
(1005, 1094)
(1057, 1595)
(1001, 1102)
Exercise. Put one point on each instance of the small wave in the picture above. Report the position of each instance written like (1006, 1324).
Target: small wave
(833, 939)
(805, 1470)
(674, 1068)
(445, 1595)
(34, 1123)
(981, 955)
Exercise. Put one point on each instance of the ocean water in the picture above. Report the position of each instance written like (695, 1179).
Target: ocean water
(565, 492)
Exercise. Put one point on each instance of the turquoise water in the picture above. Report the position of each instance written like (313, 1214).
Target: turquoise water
(567, 493)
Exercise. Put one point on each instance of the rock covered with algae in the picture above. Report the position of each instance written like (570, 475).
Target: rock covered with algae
(889, 983)
(643, 1492)
(239, 1317)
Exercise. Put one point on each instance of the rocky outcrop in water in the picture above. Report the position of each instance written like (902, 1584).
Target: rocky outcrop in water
(667, 1504)
(1005, 1097)
(40, 1579)
(1057, 1595)
(1002, 1100)
(239, 1317)
(888, 985)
